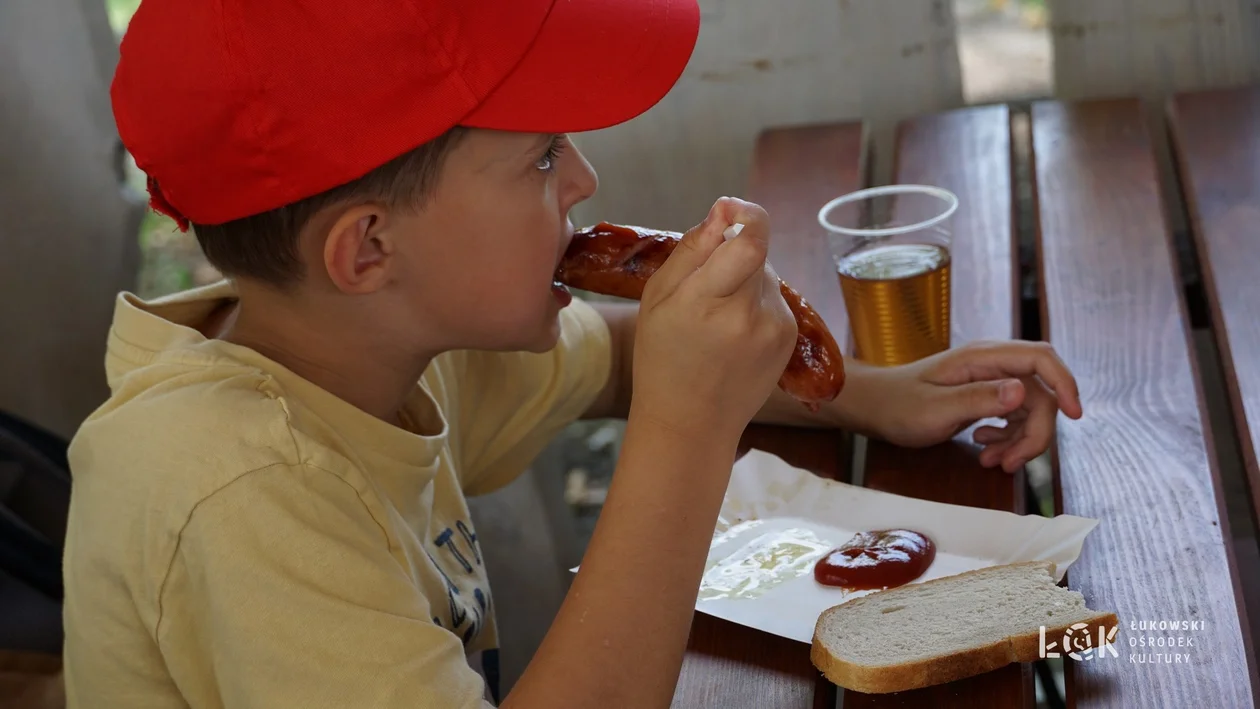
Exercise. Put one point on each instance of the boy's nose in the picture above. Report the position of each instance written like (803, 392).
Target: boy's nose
(581, 182)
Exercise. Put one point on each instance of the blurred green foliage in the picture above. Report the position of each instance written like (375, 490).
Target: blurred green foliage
(120, 12)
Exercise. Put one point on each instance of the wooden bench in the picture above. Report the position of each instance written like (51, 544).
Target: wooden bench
(1218, 157)
(1218, 152)
(1142, 461)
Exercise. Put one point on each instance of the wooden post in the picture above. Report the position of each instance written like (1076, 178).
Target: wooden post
(67, 227)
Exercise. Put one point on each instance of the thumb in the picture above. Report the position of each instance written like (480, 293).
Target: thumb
(696, 246)
(979, 400)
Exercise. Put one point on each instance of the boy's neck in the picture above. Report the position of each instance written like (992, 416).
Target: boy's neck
(377, 380)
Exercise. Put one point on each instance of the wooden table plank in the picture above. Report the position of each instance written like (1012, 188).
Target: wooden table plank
(1138, 461)
(819, 451)
(1217, 139)
(795, 171)
(730, 665)
(969, 152)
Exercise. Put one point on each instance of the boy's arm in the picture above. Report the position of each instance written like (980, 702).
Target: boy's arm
(614, 400)
(915, 405)
(625, 620)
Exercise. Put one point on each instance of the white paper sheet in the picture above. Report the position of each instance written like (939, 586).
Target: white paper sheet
(776, 521)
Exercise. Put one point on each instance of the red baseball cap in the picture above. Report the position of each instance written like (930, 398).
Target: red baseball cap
(236, 107)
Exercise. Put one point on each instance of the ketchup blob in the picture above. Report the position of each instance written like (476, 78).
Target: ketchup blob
(876, 560)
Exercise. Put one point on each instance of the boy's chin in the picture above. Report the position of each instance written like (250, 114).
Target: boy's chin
(540, 338)
(547, 337)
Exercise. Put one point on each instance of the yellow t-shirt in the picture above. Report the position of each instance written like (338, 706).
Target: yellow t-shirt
(240, 538)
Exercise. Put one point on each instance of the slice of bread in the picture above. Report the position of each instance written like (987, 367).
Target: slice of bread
(938, 631)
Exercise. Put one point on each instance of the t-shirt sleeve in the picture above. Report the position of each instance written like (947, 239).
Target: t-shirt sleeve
(284, 592)
(511, 404)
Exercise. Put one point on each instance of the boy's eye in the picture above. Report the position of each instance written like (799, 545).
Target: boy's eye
(547, 162)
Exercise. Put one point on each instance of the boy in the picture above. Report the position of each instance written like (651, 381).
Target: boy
(269, 511)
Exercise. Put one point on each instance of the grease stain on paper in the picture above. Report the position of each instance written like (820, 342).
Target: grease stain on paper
(763, 563)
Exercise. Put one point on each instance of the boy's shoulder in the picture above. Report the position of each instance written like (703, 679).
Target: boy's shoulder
(185, 412)
(177, 431)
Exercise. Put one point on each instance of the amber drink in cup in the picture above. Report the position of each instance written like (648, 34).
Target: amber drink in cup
(891, 247)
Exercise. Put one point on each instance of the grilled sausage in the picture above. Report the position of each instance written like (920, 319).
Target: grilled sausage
(618, 260)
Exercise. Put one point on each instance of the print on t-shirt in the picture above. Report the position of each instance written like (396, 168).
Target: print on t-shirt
(458, 557)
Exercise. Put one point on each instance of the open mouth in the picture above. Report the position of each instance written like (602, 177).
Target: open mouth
(561, 293)
(558, 289)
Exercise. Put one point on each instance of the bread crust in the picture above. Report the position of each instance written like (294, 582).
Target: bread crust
(944, 668)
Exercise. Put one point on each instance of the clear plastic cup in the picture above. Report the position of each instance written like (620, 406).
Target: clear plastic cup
(891, 247)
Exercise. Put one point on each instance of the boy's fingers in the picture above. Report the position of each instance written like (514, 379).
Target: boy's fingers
(1051, 370)
(981, 400)
(771, 290)
(769, 297)
(1036, 433)
(695, 248)
(735, 263)
(1022, 359)
(992, 455)
(988, 435)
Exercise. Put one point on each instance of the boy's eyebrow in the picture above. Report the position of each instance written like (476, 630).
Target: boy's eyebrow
(535, 147)
(543, 141)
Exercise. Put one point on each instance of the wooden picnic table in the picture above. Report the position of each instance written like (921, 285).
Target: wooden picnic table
(1111, 300)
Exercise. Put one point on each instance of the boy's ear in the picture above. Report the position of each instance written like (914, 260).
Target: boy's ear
(357, 249)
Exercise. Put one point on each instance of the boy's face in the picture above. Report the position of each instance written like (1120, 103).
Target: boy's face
(476, 264)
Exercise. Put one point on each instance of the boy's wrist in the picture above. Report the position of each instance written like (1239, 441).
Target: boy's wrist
(860, 408)
(699, 435)
(651, 434)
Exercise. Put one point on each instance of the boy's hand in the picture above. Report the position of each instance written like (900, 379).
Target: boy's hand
(714, 333)
(932, 400)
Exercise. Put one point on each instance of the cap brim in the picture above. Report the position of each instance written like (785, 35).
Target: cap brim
(593, 64)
